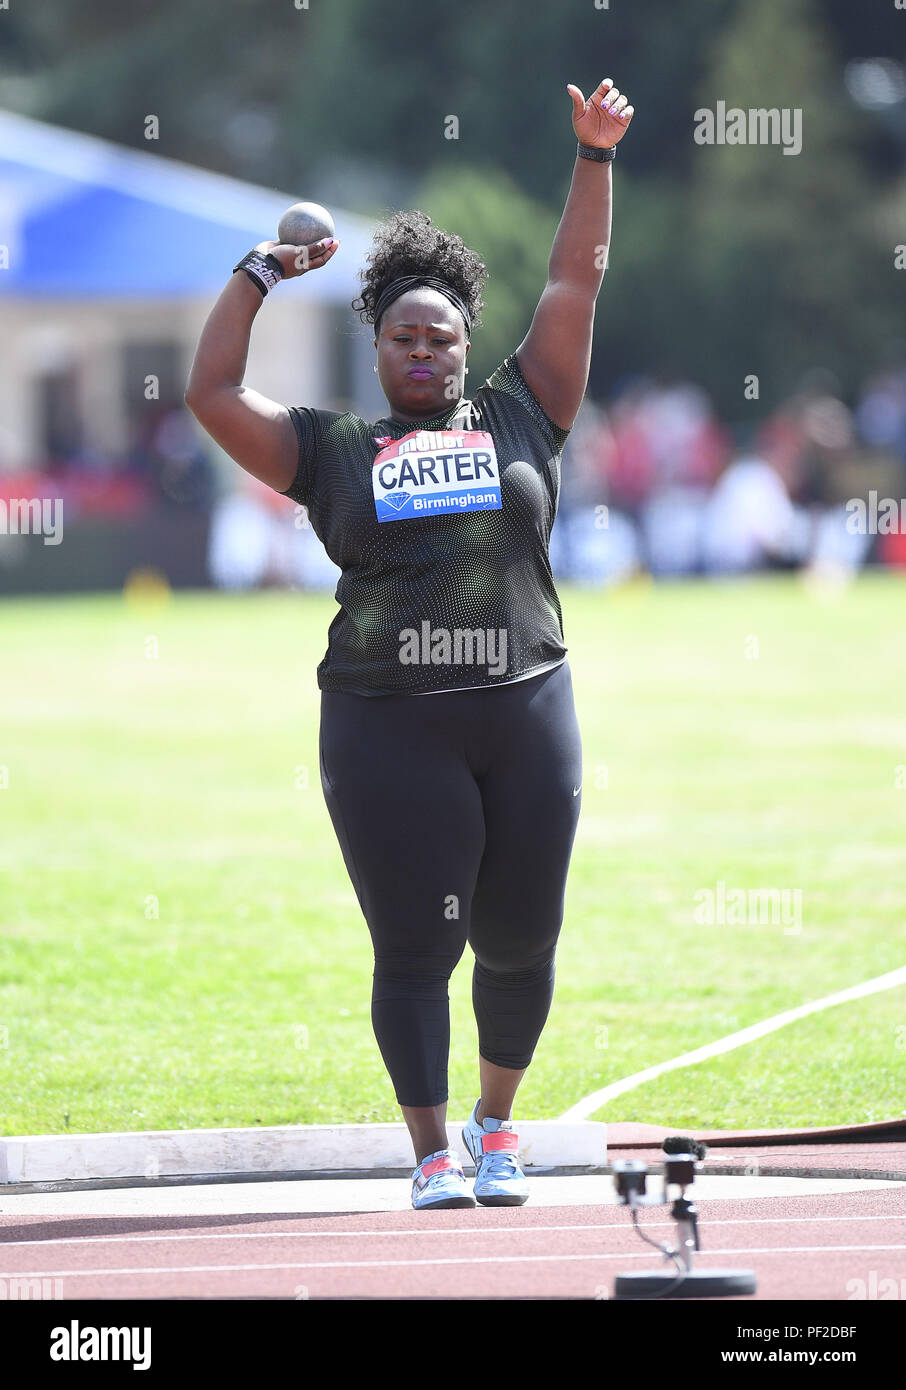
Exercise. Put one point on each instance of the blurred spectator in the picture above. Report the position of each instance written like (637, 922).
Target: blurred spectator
(663, 436)
(688, 446)
(881, 411)
(587, 459)
(169, 453)
(672, 527)
(631, 472)
(583, 490)
(239, 541)
(650, 482)
(809, 439)
(256, 539)
(750, 521)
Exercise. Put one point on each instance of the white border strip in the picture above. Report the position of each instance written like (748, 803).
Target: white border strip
(153, 1154)
(590, 1104)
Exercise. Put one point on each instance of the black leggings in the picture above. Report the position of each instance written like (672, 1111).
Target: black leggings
(456, 814)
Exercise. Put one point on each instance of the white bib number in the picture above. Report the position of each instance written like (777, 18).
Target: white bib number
(430, 472)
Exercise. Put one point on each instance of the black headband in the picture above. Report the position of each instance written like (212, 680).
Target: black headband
(410, 282)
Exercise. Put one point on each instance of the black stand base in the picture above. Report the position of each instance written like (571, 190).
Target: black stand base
(698, 1283)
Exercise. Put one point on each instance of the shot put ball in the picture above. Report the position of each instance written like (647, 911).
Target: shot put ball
(303, 224)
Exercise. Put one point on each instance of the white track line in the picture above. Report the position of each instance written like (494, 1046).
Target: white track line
(584, 1108)
(447, 1260)
(439, 1234)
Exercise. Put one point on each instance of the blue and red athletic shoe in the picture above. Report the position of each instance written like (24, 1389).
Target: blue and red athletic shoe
(494, 1149)
(439, 1183)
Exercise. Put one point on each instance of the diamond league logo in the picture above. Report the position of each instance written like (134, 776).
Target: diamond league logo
(397, 500)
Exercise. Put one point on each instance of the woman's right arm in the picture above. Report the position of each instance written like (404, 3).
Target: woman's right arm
(254, 430)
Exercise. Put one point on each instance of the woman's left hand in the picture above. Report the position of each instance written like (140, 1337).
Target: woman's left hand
(602, 120)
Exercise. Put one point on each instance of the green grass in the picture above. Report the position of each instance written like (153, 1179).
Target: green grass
(180, 945)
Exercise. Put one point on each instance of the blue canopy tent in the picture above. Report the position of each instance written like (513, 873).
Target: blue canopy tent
(90, 232)
(86, 218)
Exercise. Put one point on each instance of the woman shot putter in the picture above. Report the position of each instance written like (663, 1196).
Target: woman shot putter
(456, 816)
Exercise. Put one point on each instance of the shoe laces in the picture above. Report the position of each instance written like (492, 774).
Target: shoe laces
(500, 1163)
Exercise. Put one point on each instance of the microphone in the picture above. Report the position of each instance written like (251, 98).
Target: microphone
(679, 1144)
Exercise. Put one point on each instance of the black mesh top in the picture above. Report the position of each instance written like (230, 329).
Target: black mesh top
(454, 587)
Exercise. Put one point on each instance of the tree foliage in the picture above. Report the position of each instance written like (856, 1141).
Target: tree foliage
(726, 260)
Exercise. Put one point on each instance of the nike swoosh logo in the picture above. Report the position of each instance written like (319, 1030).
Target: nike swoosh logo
(576, 790)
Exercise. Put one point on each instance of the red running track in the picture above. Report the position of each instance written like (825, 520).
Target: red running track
(809, 1247)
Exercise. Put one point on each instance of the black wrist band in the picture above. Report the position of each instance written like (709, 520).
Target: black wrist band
(263, 271)
(600, 153)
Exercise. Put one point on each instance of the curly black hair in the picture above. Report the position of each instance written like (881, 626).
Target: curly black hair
(409, 244)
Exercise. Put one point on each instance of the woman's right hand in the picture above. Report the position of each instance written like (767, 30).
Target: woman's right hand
(296, 260)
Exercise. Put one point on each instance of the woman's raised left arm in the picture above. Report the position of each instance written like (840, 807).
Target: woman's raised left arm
(555, 355)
